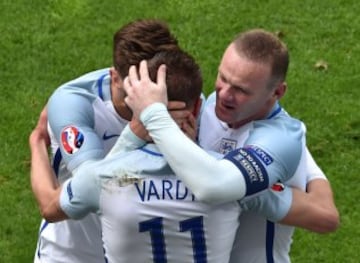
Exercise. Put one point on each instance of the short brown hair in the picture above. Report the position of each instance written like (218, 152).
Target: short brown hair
(139, 40)
(183, 75)
(264, 47)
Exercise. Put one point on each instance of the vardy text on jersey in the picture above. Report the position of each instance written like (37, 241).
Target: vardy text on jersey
(163, 189)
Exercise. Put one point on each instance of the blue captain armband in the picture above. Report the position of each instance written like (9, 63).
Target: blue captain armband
(251, 167)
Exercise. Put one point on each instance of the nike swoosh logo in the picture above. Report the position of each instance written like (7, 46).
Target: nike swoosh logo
(109, 136)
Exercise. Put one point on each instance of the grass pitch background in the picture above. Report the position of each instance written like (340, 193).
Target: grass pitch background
(47, 42)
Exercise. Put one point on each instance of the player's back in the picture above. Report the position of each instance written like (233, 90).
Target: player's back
(157, 219)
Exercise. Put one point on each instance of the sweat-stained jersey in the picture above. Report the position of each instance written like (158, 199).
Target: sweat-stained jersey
(147, 213)
(83, 126)
(258, 240)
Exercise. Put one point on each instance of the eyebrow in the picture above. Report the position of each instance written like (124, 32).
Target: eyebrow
(243, 89)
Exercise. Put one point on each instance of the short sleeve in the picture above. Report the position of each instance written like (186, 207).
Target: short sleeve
(271, 154)
(71, 120)
(80, 194)
(274, 203)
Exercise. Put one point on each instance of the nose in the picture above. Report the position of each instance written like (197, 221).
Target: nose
(224, 92)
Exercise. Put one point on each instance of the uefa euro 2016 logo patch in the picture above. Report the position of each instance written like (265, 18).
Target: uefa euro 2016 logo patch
(71, 139)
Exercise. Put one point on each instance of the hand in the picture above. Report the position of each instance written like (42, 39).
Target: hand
(189, 127)
(40, 132)
(183, 118)
(142, 91)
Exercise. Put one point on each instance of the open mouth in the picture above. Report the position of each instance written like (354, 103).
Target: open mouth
(226, 106)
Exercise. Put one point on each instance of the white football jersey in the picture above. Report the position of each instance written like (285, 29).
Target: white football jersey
(147, 213)
(83, 126)
(258, 240)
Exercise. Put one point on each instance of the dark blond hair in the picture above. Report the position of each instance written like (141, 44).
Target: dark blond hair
(139, 40)
(264, 47)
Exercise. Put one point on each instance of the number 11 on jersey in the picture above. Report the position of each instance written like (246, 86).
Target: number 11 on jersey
(158, 240)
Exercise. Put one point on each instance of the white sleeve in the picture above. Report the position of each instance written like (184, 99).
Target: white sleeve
(128, 141)
(273, 204)
(80, 194)
(73, 129)
(313, 170)
(271, 154)
(201, 172)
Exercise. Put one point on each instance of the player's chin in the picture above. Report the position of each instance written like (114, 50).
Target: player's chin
(224, 114)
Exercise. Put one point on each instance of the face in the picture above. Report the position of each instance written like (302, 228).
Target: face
(118, 95)
(242, 92)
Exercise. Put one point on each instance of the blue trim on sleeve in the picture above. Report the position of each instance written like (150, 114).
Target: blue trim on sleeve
(56, 162)
(100, 86)
(150, 152)
(270, 232)
(46, 223)
(252, 169)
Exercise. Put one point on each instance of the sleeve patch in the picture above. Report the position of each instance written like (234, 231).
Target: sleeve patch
(71, 139)
(251, 167)
(265, 157)
(278, 187)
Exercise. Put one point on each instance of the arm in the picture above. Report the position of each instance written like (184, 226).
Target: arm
(43, 182)
(216, 180)
(312, 208)
(135, 135)
(315, 209)
(131, 138)
(74, 129)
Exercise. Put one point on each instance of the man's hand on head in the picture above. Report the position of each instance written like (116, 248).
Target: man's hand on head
(142, 91)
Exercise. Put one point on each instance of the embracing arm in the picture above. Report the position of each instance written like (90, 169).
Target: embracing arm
(210, 179)
(237, 175)
(314, 209)
(43, 181)
(135, 135)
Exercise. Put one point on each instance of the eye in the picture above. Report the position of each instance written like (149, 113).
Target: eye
(241, 90)
(222, 77)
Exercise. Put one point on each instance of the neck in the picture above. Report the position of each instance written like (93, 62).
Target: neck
(261, 115)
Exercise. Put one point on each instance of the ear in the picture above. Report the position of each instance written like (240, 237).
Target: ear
(116, 80)
(279, 92)
(197, 107)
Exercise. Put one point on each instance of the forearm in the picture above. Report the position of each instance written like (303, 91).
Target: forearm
(43, 181)
(209, 179)
(127, 141)
(314, 210)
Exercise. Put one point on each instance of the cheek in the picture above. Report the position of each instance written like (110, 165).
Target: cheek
(218, 85)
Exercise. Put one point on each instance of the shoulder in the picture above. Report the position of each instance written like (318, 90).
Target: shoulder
(76, 97)
(281, 138)
(85, 84)
(280, 129)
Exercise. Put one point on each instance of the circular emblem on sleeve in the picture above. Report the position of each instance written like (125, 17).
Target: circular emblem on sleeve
(71, 139)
